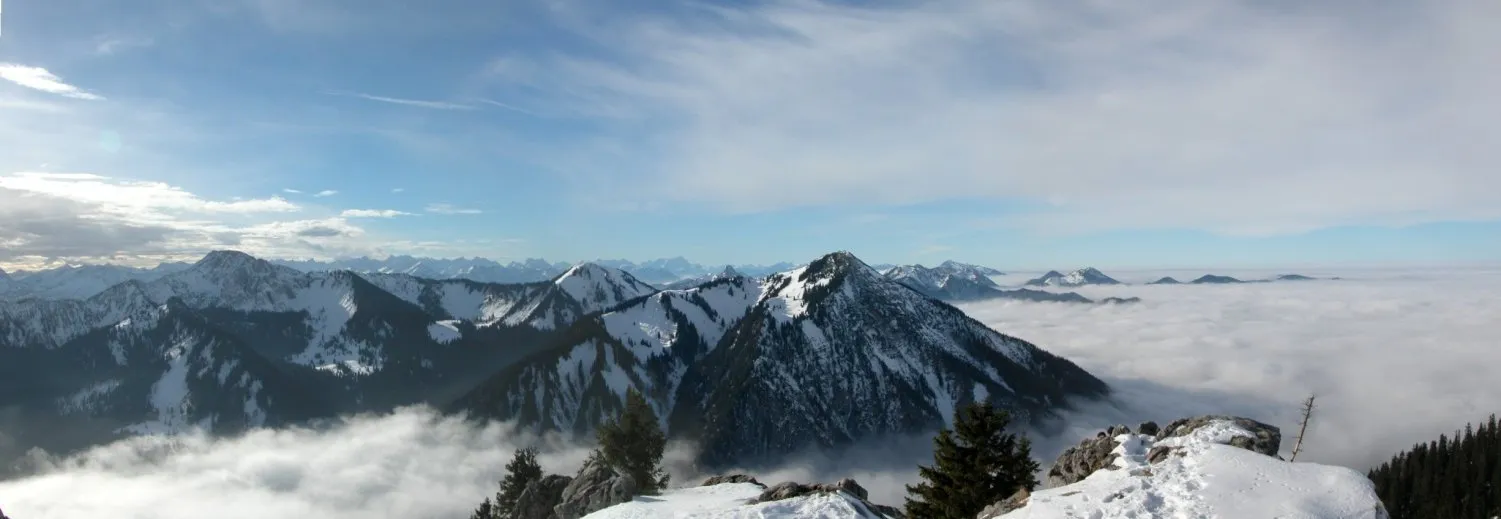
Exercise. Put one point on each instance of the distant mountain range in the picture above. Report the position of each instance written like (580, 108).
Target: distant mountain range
(1215, 279)
(1077, 278)
(959, 282)
(744, 365)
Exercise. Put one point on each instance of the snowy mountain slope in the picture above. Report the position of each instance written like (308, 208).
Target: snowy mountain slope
(684, 284)
(968, 284)
(159, 369)
(823, 354)
(1077, 278)
(481, 303)
(584, 289)
(984, 271)
(47, 323)
(77, 282)
(648, 344)
(1201, 476)
(731, 500)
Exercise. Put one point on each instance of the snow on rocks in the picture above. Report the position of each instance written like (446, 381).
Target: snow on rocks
(444, 332)
(746, 500)
(1200, 468)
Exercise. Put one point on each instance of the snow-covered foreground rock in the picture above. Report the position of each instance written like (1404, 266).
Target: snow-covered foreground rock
(732, 500)
(1198, 474)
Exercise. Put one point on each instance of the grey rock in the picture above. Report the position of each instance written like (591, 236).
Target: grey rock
(1081, 460)
(596, 487)
(1148, 428)
(732, 478)
(540, 498)
(1267, 440)
(1016, 502)
(1159, 453)
(1117, 430)
(789, 490)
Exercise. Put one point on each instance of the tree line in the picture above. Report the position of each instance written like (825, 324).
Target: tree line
(1454, 477)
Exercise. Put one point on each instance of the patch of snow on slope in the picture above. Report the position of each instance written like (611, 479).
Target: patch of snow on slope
(728, 501)
(169, 397)
(444, 332)
(787, 303)
(254, 415)
(462, 302)
(1210, 480)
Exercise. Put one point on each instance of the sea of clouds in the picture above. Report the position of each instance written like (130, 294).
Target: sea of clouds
(1395, 357)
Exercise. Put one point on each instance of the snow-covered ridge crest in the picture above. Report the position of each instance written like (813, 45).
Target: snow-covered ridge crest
(1205, 470)
(598, 288)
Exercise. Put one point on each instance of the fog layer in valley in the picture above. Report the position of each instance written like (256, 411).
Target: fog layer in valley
(1395, 357)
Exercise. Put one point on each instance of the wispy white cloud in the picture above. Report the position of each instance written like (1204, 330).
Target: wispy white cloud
(325, 193)
(38, 78)
(507, 106)
(398, 189)
(373, 213)
(1236, 117)
(450, 209)
(114, 44)
(420, 103)
(291, 191)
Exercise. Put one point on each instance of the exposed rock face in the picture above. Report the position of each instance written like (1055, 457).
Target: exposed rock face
(1079, 461)
(540, 497)
(791, 489)
(1004, 506)
(1268, 438)
(1094, 454)
(596, 487)
(732, 478)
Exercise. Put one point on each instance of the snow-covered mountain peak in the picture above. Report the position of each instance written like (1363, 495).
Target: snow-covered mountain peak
(1080, 277)
(597, 287)
(730, 272)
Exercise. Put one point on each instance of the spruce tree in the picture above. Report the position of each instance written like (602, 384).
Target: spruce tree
(975, 464)
(520, 472)
(485, 511)
(633, 443)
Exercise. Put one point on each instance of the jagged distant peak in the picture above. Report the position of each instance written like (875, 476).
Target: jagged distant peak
(835, 264)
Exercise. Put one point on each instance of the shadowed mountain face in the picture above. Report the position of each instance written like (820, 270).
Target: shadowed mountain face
(822, 355)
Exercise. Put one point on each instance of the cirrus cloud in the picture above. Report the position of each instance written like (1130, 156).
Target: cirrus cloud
(373, 213)
(38, 78)
(1237, 117)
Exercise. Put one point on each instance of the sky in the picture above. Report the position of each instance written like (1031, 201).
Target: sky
(1019, 134)
(1394, 357)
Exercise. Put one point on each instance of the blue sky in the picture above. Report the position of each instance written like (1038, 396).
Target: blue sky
(1026, 134)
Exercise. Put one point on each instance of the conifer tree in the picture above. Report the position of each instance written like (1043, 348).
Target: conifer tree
(520, 472)
(485, 511)
(1452, 478)
(633, 443)
(975, 464)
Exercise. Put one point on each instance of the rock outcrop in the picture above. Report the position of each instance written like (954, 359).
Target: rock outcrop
(848, 486)
(732, 478)
(1097, 453)
(541, 497)
(1268, 438)
(1004, 506)
(1090, 455)
(596, 487)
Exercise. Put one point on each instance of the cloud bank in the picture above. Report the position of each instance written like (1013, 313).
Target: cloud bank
(1396, 357)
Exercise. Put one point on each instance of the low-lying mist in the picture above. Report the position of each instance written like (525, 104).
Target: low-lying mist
(1395, 358)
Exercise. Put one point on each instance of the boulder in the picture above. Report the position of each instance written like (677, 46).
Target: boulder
(1079, 461)
(540, 497)
(732, 478)
(596, 487)
(791, 489)
(1148, 428)
(1267, 438)
(1005, 506)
